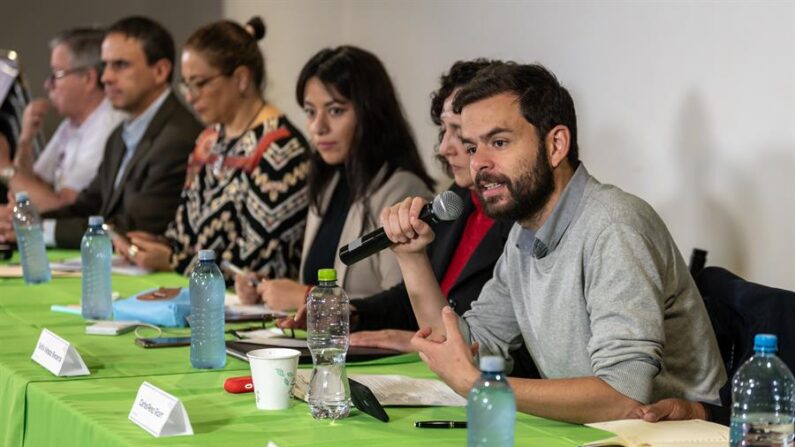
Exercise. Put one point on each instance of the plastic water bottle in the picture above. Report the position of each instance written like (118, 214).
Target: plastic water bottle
(207, 292)
(491, 407)
(763, 398)
(96, 251)
(30, 241)
(328, 334)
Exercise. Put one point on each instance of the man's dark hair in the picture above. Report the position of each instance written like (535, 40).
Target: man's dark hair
(155, 40)
(459, 75)
(543, 101)
(383, 136)
(84, 45)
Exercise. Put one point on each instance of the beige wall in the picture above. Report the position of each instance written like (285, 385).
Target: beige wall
(689, 105)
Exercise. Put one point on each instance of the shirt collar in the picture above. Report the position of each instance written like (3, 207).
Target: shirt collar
(546, 239)
(134, 129)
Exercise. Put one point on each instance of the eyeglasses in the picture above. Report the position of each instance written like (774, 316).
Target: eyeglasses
(194, 88)
(49, 82)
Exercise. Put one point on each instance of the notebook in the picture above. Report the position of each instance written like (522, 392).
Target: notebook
(639, 433)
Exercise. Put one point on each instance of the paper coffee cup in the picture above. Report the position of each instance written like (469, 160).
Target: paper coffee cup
(273, 375)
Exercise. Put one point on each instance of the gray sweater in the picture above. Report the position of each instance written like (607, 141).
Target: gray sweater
(601, 290)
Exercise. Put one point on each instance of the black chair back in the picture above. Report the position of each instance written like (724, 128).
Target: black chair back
(698, 258)
(740, 309)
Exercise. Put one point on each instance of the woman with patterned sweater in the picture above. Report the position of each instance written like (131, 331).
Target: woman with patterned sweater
(245, 192)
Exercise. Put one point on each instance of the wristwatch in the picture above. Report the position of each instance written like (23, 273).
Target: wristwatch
(6, 174)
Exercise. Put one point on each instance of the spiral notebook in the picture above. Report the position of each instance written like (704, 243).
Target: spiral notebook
(638, 433)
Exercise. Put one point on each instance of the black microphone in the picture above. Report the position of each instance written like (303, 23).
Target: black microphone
(446, 206)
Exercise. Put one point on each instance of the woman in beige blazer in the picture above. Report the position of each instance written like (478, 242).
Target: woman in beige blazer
(364, 159)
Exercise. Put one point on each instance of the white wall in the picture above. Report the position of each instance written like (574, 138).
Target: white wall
(689, 105)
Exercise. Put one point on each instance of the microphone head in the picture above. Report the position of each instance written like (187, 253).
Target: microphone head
(447, 206)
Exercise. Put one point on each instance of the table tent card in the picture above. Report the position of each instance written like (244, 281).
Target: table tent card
(58, 356)
(159, 413)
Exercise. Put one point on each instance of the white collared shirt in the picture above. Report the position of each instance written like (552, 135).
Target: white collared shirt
(73, 154)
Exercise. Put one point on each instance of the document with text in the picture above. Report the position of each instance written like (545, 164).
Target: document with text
(395, 390)
(637, 433)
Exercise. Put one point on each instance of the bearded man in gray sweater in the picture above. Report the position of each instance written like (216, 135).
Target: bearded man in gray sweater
(590, 278)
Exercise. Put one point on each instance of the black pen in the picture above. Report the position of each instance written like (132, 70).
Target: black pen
(440, 424)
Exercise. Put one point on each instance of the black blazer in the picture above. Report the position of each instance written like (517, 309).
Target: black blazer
(149, 189)
(391, 309)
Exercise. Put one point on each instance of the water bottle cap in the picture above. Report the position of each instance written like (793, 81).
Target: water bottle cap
(206, 255)
(492, 363)
(21, 196)
(326, 275)
(766, 342)
(96, 221)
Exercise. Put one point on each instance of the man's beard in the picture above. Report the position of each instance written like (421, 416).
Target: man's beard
(529, 194)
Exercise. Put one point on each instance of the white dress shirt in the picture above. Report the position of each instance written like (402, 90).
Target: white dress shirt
(73, 154)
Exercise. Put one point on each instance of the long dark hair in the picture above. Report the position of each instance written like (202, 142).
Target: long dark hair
(382, 136)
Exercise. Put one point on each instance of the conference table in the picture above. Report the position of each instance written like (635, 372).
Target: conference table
(38, 408)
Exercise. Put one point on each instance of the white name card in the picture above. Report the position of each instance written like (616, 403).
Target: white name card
(58, 356)
(159, 413)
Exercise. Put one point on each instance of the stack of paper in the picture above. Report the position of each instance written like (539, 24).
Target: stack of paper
(15, 271)
(119, 266)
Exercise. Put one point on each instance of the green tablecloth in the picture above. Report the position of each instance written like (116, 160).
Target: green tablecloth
(94, 412)
(40, 409)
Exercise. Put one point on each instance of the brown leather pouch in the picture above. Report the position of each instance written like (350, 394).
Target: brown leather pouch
(161, 294)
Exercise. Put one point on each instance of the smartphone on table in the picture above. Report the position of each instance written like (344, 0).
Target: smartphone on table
(163, 342)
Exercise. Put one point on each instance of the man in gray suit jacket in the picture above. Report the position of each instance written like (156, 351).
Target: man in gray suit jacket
(139, 182)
